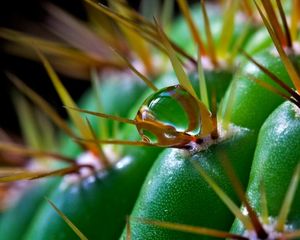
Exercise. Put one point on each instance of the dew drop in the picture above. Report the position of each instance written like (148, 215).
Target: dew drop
(170, 117)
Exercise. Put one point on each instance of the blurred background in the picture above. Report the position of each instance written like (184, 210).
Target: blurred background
(16, 14)
(13, 14)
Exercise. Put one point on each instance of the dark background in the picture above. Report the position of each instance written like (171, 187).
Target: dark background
(12, 14)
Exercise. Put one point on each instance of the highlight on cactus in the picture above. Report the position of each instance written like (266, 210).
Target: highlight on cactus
(189, 130)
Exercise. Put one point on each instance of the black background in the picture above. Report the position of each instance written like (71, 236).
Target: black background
(12, 14)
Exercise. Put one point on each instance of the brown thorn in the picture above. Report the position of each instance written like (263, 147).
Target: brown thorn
(152, 38)
(273, 20)
(293, 93)
(293, 73)
(103, 115)
(183, 53)
(248, 9)
(215, 133)
(237, 186)
(189, 229)
(191, 25)
(272, 89)
(120, 142)
(135, 23)
(285, 25)
(128, 228)
(17, 149)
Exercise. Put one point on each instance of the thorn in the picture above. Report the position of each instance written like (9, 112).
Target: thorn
(210, 41)
(103, 115)
(189, 229)
(278, 81)
(287, 203)
(187, 15)
(237, 186)
(285, 25)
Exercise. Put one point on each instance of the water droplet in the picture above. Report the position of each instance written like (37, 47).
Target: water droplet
(169, 117)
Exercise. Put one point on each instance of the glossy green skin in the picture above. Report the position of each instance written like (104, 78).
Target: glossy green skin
(253, 103)
(98, 208)
(174, 191)
(276, 157)
(15, 221)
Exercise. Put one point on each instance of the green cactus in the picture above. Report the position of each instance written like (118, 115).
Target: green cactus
(209, 150)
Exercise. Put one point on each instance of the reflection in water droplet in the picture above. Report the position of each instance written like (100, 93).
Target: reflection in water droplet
(169, 117)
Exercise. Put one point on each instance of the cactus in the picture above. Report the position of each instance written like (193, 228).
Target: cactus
(184, 133)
